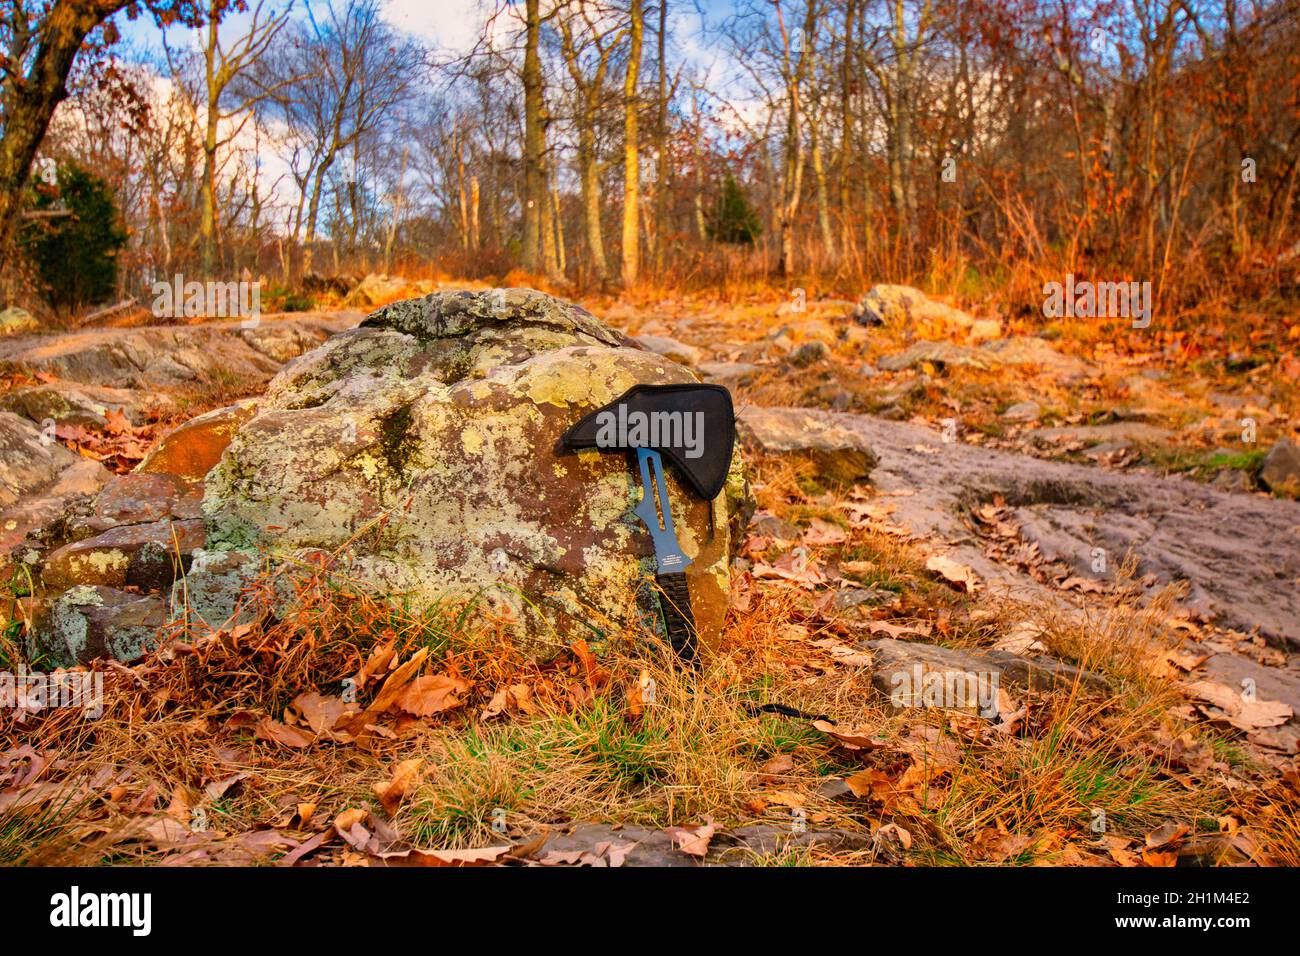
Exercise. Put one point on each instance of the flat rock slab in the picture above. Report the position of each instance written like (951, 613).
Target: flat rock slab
(1239, 554)
(839, 454)
(901, 672)
(669, 348)
(167, 356)
(1021, 350)
(85, 405)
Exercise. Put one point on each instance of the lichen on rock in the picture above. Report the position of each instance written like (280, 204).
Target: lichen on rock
(423, 448)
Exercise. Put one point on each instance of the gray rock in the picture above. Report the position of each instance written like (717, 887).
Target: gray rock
(1119, 434)
(847, 599)
(972, 677)
(728, 373)
(743, 846)
(1018, 351)
(30, 459)
(1023, 412)
(771, 526)
(90, 621)
(840, 454)
(679, 352)
(213, 590)
(1281, 471)
(899, 304)
(1029, 350)
(1232, 479)
(938, 353)
(809, 353)
(376, 289)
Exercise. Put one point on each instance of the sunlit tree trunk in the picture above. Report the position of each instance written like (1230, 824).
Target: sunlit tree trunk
(631, 152)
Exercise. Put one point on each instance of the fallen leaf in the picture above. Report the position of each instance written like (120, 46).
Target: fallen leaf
(388, 694)
(693, 841)
(391, 792)
(413, 857)
(953, 572)
(821, 532)
(276, 732)
(899, 630)
(853, 738)
(320, 712)
(1166, 834)
(1243, 714)
(432, 694)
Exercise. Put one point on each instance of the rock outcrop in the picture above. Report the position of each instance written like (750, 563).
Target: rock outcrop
(420, 453)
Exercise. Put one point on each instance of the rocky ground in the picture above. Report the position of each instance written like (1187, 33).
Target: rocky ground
(1107, 523)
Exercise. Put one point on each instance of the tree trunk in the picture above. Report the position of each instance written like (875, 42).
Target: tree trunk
(590, 176)
(208, 213)
(473, 213)
(534, 142)
(819, 181)
(631, 155)
(30, 100)
(661, 145)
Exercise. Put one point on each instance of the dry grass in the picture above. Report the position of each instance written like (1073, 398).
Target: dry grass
(589, 748)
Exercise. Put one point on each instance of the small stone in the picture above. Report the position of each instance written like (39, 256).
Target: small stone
(770, 526)
(669, 348)
(849, 598)
(1281, 471)
(809, 353)
(1023, 412)
(728, 373)
(969, 678)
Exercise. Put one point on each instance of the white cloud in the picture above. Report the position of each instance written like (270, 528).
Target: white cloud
(450, 25)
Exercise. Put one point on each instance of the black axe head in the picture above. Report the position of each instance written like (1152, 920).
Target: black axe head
(693, 426)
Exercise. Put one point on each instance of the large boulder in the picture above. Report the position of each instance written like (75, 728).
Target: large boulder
(423, 450)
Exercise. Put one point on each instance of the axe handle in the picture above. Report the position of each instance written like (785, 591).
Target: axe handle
(675, 599)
